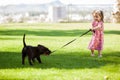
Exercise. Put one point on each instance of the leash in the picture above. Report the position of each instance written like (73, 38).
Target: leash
(72, 40)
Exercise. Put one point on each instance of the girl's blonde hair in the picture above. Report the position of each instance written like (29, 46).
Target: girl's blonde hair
(100, 13)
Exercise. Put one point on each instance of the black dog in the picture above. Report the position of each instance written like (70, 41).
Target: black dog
(33, 52)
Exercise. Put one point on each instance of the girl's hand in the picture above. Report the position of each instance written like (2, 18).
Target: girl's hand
(92, 30)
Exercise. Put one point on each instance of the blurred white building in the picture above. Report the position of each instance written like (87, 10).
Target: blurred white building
(56, 11)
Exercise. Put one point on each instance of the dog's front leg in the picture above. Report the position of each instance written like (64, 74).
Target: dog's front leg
(39, 60)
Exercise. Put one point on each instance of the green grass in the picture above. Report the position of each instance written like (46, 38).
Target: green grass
(73, 62)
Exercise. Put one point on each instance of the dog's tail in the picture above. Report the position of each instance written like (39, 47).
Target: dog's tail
(24, 41)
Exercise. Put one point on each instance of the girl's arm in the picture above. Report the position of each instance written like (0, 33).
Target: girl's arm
(97, 27)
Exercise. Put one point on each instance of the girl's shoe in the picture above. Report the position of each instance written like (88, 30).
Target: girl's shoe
(92, 55)
(100, 56)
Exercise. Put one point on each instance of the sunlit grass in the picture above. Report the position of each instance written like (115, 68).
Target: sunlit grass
(73, 62)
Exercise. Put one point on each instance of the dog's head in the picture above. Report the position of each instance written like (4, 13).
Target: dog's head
(44, 50)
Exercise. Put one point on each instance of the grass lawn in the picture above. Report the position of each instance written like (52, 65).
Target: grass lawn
(72, 62)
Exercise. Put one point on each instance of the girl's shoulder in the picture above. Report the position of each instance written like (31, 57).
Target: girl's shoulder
(101, 22)
(93, 22)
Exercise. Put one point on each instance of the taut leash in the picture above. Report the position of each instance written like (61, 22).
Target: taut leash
(72, 40)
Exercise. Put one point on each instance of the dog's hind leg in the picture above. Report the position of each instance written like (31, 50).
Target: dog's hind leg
(30, 53)
(29, 59)
(39, 60)
(23, 56)
(23, 59)
(33, 59)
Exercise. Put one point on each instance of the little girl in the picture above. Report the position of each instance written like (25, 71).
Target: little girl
(97, 29)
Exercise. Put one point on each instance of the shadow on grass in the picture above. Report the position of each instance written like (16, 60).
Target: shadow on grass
(112, 32)
(75, 60)
(43, 32)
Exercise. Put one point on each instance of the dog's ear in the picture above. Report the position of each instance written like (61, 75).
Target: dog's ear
(40, 47)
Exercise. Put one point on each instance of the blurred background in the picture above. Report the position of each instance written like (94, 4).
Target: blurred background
(62, 11)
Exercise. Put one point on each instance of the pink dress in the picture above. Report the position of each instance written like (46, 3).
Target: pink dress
(97, 40)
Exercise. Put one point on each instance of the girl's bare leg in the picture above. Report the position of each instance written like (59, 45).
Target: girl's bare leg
(100, 53)
(92, 53)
